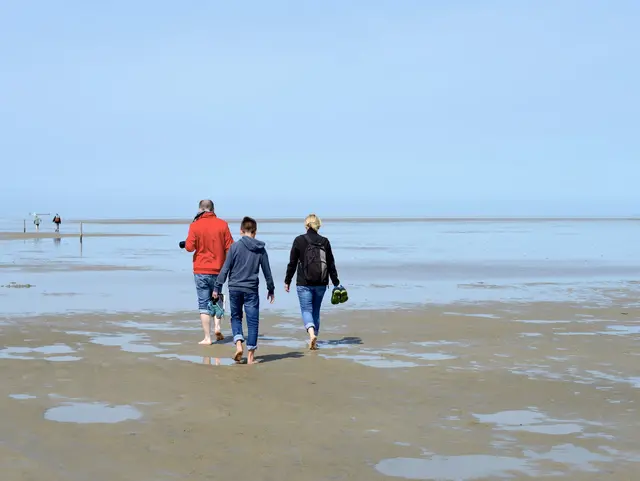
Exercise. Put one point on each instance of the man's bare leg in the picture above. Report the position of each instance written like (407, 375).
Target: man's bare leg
(217, 329)
(239, 352)
(206, 327)
(313, 339)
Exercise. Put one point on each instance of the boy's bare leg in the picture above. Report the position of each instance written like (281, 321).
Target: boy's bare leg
(217, 329)
(239, 352)
(251, 359)
(313, 339)
(206, 327)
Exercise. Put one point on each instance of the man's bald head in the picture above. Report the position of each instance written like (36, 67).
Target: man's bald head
(206, 205)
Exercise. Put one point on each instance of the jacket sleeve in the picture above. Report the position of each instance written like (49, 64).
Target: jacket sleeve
(266, 271)
(190, 243)
(228, 239)
(294, 257)
(224, 272)
(331, 265)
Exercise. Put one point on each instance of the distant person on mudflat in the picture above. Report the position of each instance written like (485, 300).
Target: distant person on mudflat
(209, 239)
(57, 221)
(312, 257)
(36, 222)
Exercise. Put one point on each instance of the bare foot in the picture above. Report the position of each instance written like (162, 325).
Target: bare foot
(313, 343)
(251, 358)
(205, 342)
(237, 357)
(219, 336)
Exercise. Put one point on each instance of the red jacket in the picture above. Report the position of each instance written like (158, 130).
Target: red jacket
(209, 239)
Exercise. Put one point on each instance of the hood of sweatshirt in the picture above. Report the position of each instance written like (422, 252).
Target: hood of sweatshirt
(252, 244)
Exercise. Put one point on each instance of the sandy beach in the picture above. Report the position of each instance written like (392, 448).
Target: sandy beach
(458, 392)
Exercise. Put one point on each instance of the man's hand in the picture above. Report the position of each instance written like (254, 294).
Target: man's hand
(182, 244)
(286, 288)
(271, 297)
(214, 295)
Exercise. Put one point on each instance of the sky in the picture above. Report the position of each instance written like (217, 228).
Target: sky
(285, 107)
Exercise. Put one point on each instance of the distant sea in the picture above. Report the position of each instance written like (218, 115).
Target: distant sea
(385, 263)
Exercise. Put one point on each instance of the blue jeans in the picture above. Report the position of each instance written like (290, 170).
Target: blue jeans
(310, 298)
(251, 303)
(205, 283)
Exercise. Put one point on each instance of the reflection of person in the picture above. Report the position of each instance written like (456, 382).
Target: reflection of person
(57, 221)
(209, 239)
(246, 258)
(36, 222)
(311, 255)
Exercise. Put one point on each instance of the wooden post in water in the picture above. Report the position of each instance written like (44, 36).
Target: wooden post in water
(24, 226)
(80, 232)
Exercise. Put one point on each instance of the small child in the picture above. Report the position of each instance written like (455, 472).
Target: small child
(242, 265)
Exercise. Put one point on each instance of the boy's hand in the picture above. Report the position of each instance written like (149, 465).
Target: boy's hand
(271, 298)
(286, 288)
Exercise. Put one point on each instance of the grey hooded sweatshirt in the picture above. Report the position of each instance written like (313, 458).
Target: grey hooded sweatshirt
(242, 265)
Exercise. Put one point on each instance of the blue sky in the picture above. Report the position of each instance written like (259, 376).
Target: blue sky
(406, 107)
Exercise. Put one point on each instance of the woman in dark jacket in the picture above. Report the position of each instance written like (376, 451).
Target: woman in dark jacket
(311, 256)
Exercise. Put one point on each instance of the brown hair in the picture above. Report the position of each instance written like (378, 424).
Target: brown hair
(249, 225)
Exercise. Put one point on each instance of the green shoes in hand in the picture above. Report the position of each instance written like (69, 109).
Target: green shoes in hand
(339, 295)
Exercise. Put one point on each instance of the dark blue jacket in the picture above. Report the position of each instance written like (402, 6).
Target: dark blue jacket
(242, 265)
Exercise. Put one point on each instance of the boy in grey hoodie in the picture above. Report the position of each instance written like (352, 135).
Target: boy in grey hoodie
(242, 265)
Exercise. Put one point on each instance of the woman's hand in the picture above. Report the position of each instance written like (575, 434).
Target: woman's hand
(286, 288)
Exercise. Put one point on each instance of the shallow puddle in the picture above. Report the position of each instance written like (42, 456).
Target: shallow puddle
(21, 396)
(426, 356)
(620, 330)
(156, 326)
(633, 381)
(452, 468)
(535, 321)
(213, 361)
(480, 466)
(84, 413)
(373, 361)
(439, 343)
(486, 316)
(63, 358)
(26, 353)
(126, 342)
(531, 421)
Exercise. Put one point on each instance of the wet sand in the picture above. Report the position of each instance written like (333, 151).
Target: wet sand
(456, 392)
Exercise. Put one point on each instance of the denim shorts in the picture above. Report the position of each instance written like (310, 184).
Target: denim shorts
(205, 283)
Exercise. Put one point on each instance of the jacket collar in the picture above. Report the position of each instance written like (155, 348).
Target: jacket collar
(202, 215)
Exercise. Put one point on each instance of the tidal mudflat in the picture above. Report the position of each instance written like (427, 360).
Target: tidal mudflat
(468, 350)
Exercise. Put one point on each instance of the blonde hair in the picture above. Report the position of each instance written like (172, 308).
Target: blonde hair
(313, 222)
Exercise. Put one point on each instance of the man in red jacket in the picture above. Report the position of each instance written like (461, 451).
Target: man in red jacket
(209, 239)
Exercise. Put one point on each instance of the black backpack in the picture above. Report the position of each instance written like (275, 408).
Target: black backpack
(314, 263)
